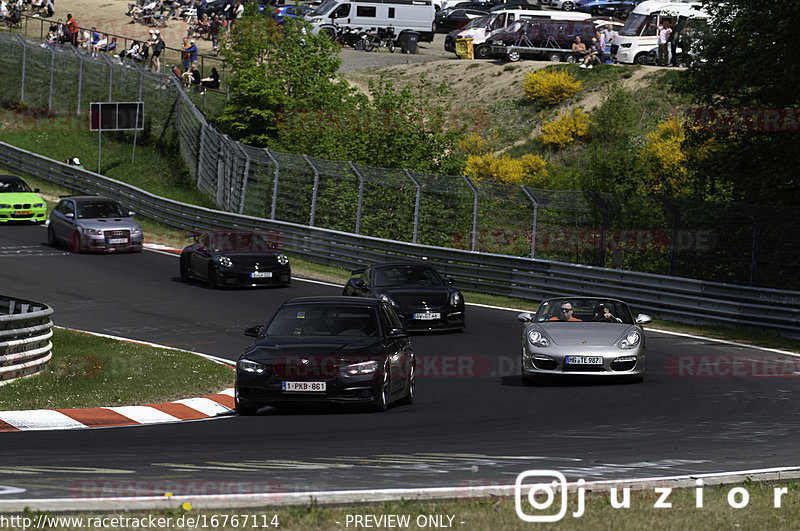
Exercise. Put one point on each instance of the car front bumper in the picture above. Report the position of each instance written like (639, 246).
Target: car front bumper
(281, 276)
(34, 215)
(261, 390)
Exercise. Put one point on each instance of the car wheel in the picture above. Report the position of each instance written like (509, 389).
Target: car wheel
(411, 390)
(185, 273)
(483, 51)
(52, 241)
(641, 59)
(213, 276)
(568, 6)
(330, 32)
(382, 400)
(74, 242)
(554, 57)
(571, 59)
(513, 56)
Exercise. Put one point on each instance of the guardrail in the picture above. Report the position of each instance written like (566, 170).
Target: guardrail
(673, 298)
(25, 332)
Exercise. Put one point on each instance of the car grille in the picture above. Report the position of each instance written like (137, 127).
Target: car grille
(22, 206)
(295, 369)
(247, 262)
(584, 368)
(117, 233)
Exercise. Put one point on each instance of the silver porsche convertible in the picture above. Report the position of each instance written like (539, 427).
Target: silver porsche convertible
(583, 336)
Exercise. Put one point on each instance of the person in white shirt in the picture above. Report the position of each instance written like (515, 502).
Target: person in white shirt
(664, 31)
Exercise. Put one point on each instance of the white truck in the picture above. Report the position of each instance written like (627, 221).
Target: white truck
(638, 36)
(403, 16)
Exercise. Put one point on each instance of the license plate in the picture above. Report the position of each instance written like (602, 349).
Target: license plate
(261, 274)
(23, 212)
(584, 360)
(117, 240)
(303, 387)
(427, 316)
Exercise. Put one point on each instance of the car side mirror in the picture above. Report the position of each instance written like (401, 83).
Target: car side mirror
(525, 317)
(358, 283)
(449, 281)
(398, 332)
(35, 190)
(69, 215)
(131, 213)
(253, 331)
(643, 318)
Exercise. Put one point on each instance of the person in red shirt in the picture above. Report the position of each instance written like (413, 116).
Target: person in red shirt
(566, 313)
(72, 29)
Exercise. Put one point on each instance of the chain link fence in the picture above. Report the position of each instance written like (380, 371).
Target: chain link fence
(733, 243)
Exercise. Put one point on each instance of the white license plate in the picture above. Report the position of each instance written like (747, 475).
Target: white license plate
(427, 316)
(584, 360)
(304, 387)
(261, 274)
(118, 240)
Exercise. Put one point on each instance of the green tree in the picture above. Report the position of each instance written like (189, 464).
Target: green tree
(749, 62)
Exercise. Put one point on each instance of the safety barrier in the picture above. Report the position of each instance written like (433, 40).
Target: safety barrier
(25, 332)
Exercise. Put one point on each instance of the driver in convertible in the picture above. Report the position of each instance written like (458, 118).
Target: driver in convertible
(565, 314)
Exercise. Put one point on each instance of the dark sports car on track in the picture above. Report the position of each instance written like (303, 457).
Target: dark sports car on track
(421, 297)
(342, 350)
(94, 224)
(234, 258)
(583, 336)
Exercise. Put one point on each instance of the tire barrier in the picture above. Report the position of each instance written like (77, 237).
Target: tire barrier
(25, 332)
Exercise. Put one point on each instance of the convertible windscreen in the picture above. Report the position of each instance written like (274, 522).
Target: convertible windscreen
(320, 321)
(585, 310)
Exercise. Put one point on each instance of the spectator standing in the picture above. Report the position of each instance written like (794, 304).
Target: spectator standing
(185, 55)
(72, 29)
(601, 47)
(664, 31)
(213, 31)
(49, 9)
(673, 42)
(192, 51)
(158, 48)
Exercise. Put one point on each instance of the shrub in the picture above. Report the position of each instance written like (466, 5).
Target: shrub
(663, 161)
(565, 128)
(528, 169)
(550, 86)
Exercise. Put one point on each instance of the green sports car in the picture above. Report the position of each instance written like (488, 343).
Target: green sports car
(19, 203)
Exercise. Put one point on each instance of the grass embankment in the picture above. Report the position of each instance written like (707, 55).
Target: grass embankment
(716, 512)
(92, 371)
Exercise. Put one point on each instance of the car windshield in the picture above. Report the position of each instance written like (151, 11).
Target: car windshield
(405, 275)
(100, 209)
(8, 186)
(585, 310)
(324, 7)
(238, 241)
(639, 25)
(474, 23)
(299, 320)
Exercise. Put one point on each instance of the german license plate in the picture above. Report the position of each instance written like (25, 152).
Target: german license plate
(584, 360)
(261, 274)
(117, 240)
(303, 387)
(427, 316)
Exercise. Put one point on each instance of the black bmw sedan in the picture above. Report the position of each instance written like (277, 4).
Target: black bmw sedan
(343, 350)
(421, 297)
(235, 258)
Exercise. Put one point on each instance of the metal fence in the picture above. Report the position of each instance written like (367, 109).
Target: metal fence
(25, 332)
(731, 243)
(674, 298)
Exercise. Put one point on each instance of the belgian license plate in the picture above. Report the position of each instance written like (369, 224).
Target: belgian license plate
(427, 316)
(23, 212)
(303, 387)
(117, 240)
(261, 274)
(584, 360)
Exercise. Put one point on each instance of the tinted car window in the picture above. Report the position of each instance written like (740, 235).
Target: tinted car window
(406, 276)
(13, 185)
(316, 320)
(100, 209)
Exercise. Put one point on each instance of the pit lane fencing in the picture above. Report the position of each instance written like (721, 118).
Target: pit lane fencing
(25, 332)
(673, 298)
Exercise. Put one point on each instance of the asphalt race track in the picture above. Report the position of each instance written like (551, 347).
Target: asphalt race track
(473, 421)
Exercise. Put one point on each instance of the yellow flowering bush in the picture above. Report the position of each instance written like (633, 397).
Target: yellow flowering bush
(664, 161)
(565, 128)
(477, 145)
(550, 86)
(528, 169)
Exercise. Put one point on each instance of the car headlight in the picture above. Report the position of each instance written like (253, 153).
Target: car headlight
(5, 205)
(455, 298)
(537, 339)
(283, 259)
(38, 205)
(224, 261)
(136, 232)
(630, 340)
(385, 298)
(625, 45)
(251, 366)
(366, 367)
(93, 232)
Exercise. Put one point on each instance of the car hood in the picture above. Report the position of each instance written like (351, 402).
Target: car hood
(20, 197)
(433, 296)
(584, 334)
(109, 223)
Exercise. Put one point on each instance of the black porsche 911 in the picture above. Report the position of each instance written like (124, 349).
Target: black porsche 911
(342, 350)
(234, 258)
(421, 297)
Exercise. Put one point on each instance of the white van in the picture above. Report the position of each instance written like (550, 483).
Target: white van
(497, 20)
(402, 15)
(638, 36)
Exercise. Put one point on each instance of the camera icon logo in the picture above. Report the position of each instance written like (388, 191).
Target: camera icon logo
(533, 490)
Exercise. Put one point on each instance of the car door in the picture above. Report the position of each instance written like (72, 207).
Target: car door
(198, 259)
(63, 225)
(400, 351)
